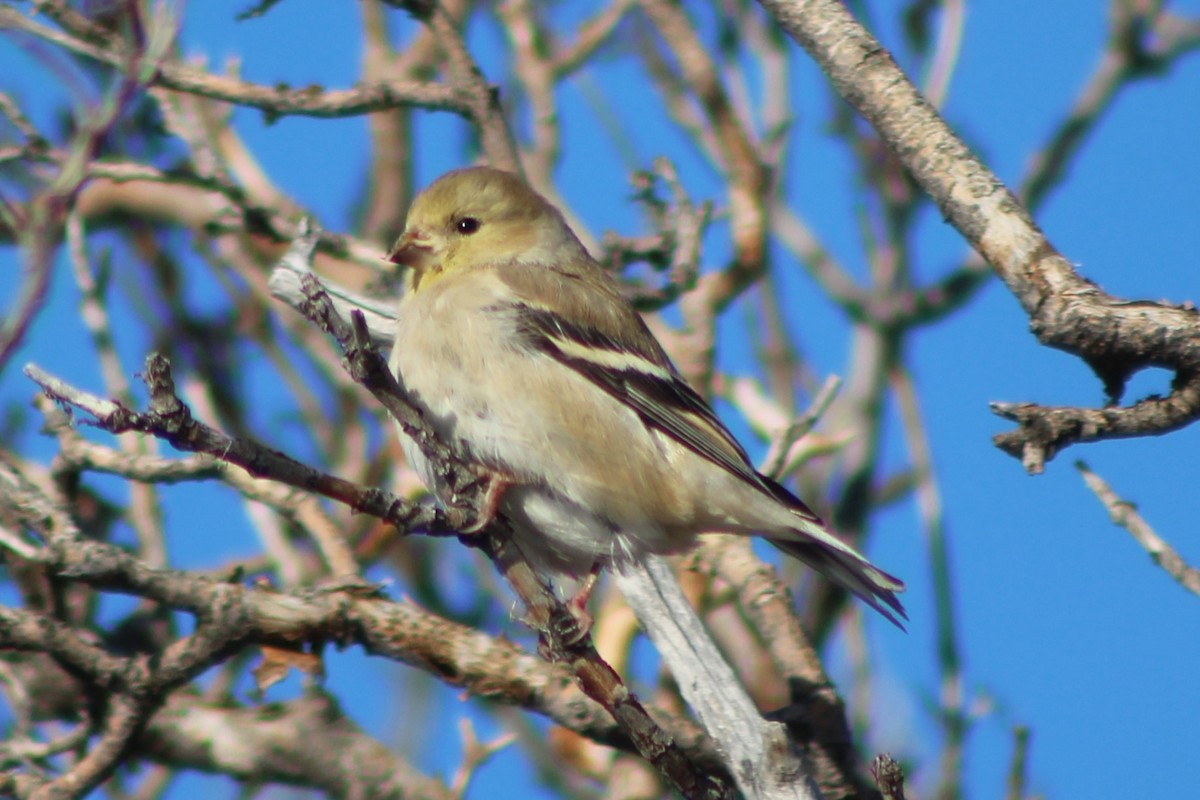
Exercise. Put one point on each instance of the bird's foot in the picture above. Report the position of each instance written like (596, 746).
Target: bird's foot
(489, 504)
(570, 623)
(577, 606)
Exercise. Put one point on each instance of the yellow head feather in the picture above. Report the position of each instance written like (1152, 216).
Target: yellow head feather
(481, 217)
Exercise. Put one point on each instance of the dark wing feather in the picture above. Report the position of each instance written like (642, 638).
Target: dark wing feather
(653, 389)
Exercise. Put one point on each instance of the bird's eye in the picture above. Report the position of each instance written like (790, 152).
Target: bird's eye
(467, 225)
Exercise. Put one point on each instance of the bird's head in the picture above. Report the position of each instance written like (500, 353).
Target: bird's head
(478, 217)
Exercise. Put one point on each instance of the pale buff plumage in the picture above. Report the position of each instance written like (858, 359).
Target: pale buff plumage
(527, 359)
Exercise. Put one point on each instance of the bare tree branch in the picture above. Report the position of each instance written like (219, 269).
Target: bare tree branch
(1115, 337)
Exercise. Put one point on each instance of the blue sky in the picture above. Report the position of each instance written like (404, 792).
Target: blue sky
(1065, 625)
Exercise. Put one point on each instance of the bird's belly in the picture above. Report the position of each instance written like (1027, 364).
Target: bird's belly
(568, 522)
(563, 536)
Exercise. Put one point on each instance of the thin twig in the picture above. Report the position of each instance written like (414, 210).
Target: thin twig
(1018, 766)
(1124, 514)
(779, 460)
(952, 713)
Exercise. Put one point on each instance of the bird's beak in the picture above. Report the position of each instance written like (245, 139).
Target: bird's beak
(413, 250)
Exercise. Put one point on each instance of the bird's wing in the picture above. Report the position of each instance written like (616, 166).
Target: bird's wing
(605, 341)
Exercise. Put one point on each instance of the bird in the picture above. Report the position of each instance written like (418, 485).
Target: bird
(526, 359)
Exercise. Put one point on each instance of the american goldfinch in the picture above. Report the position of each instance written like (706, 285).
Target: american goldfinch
(526, 358)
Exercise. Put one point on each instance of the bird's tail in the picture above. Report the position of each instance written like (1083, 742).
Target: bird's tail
(847, 569)
(809, 540)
